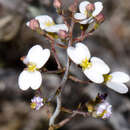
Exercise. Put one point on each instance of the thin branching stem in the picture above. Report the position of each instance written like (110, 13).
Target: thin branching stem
(57, 110)
(55, 55)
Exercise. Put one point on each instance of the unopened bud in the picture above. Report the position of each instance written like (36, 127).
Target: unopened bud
(90, 7)
(72, 8)
(62, 34)
(100, 18)
(34, 24)
(57, 3)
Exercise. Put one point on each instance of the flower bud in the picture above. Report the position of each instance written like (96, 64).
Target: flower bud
(90, 7)
(62, 34)
(57, 3)
(100, 18)
(72, 8)
(34, 24)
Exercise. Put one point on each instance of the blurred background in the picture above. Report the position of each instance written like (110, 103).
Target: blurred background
(111, 42)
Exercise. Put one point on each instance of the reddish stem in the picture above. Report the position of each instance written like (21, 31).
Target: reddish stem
(55, 55)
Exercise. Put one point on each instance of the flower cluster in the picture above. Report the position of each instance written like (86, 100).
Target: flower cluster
(96, 69)
(37, 102)
(104, 110)
(88, 12)
(100, 108)
(47, 24)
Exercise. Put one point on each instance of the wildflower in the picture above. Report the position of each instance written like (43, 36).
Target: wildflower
(116, 81)
(47, 24)
(88, 11)
(94, 68)
(35, 59)
(103, 110)
(37, 103)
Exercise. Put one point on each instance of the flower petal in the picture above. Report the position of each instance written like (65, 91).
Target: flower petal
(82, 6)
(93, 75)
(83, 19)
(98, 8)
(36, 80)
(43, 19)
(89, 20)
(78, 53)
(29, 79)
(24, 80)
(56, 28)
(118, 87)
(38, 56)
(28, 24)
(80, 16)
(120, 77)
(99, 65)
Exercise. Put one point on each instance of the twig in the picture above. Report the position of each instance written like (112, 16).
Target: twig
(84, 114)
(62, 84)
(55, 55)
(54, 71)
(57, 111)
(78, 80)
(62, 123)
(61, 45)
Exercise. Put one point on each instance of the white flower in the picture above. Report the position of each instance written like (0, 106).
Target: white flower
(116, 81)
(35, 59)
(94, 68)
(83, 15)
(47, 24)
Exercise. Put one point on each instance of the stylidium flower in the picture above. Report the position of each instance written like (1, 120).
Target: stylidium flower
(35, 59)
(104, 110)
(47, 24)
(94, 68)
(116, 81)
(88, 11)
(37, 103)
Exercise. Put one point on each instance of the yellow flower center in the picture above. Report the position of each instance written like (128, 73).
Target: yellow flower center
(48, 23)
(85, 64)
(31, 67)
(87, 13)
(102, 114)
(33, 105)
(107, 77)
(54, 35)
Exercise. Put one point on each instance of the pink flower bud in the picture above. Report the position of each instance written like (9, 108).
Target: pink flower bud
(90, 7)
(100, 18)
(62, 34)
(57, 3)
(34, 24)
(72, 8)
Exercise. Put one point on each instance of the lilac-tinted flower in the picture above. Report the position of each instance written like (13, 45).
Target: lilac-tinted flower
(37, 103)
(104, 110)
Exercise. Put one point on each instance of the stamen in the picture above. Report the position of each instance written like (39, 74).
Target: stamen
(31, 67)
(107, 77)
(48, 23)
(33, 105)
(85, 64)
(103, 113)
